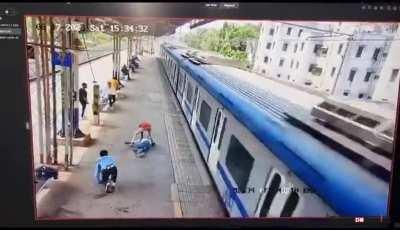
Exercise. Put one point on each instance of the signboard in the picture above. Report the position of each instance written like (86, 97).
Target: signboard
(56, 59)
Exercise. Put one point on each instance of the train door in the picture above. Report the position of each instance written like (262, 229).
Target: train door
(269, 201)
(177, 75)
(174, 76)
(216, 140)
(195, 105)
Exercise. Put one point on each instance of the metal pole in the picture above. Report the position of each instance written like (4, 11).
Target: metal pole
(71, 99)
(38, 89)
(46, 93)
(114, 55)
(53, 72)
(64, 88)
(333, 91)
(118, 55)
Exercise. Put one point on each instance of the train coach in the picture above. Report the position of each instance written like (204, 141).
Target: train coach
(263, 166)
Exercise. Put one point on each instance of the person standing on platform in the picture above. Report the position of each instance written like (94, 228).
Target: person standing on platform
(83, 98)
(111, 92)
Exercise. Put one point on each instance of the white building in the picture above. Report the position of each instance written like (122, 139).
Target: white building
(343, 59)
(387, 88)
(354, 71)
(285, 51)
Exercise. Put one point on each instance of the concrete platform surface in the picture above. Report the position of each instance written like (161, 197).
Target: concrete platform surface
(144, 184)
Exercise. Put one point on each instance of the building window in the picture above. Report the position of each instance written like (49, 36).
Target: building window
(239, 163)
(273, 45)
(317, 47)
(361, 95)
(351, 75)
(269, 45)
(291, 64)
(289, 30)
(288, 77)
(290, 205)
(263, 71)
(281, 62)
(266, 59)
(340, 48)
(394, 75)
(315, 70)
(302, 46)
(333, 71)
(271, 31)
(376, 77)
(272, 191)
(279, 75)
(359, 51)
(299, 34)
(295, 48)
(367, 76)
(376, 53)
(284, 47)
(297, 65)
(205, 113)
(346, 92)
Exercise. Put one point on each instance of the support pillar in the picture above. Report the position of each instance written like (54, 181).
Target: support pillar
(38, 89)
(54, 95)
(96, 103)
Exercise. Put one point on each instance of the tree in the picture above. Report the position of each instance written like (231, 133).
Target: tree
(230, 40)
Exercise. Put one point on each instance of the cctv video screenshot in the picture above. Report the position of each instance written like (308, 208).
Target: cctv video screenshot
(224, 114)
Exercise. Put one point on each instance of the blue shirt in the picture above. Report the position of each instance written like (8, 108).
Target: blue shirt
(101, 164)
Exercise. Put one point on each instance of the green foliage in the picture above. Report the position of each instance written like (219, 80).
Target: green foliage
(229, 41)
(94, 39)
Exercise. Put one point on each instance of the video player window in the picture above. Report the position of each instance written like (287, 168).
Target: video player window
(313, 108)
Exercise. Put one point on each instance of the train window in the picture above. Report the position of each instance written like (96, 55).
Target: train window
(205, 113)
(327, 106)
(180, 81)
(366, 121)
(174, 73)
(196, 91)
(290, 205)
(389, 132)
(189, 93)
(239, 163)
(222, 133)
(272, 191)
(177, 72)
(216, 125)
(345, 113)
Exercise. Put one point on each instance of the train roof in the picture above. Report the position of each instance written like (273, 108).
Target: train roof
(344, 185)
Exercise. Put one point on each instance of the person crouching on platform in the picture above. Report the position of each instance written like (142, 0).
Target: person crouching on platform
(106, 171)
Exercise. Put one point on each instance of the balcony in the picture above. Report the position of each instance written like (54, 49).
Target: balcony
(321, 52)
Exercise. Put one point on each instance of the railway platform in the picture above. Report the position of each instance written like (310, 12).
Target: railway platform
(171, 181)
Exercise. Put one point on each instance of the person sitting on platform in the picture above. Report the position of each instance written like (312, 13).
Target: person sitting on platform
(125, 72)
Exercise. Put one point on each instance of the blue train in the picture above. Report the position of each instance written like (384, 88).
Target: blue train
(261, 164)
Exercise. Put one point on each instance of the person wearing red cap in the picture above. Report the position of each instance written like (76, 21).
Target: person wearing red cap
(144, 126)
